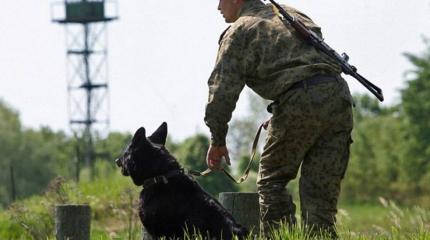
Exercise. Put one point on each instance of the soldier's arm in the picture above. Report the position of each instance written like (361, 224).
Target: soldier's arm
(225, 84)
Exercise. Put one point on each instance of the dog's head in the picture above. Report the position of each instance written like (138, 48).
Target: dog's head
(146, 157)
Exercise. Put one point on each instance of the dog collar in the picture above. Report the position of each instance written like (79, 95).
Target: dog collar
(161, 178)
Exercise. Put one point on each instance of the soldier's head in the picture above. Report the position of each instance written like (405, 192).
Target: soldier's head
(230, 9)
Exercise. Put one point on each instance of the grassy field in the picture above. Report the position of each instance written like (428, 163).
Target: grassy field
(361, 218)
(383, 221)
(113, 201)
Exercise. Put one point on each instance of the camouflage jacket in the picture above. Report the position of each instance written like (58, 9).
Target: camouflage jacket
(259, 50)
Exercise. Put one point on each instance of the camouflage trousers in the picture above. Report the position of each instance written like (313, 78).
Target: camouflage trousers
(310, 129)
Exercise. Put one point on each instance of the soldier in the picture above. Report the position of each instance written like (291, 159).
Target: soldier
(312, 117)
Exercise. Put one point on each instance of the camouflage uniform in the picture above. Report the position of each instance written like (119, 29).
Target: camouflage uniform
(310, 126)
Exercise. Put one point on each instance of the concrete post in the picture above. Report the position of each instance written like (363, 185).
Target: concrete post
(244, 207)
(72, 222)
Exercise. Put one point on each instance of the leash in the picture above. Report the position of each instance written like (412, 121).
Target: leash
(248, 168)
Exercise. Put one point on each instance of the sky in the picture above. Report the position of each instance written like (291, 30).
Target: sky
(161, 54)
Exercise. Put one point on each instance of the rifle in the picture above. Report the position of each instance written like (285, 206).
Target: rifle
(319, 44)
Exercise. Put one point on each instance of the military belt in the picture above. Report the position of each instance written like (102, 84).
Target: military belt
(315, 80)
(309, 82)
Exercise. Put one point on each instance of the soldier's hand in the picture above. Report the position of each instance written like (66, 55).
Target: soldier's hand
(215, 156)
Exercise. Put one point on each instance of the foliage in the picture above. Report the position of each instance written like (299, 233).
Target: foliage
(33, 218)
(113, 201)
(39, 155)
(391, 153)
(377, 155)
(9, 140)
(416, 105)
(34, 156)
(110, 147)
(384, 221)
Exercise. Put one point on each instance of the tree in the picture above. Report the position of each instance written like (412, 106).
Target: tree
(36, 156)
(10, 128)
(366, 106)
(39, 154)
(416, 105)
(377, 157)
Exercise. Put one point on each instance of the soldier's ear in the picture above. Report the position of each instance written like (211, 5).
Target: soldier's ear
(160, 135)
(139, 136)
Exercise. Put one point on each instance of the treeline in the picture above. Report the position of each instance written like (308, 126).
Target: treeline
(391, 153)
(30, 159)
(390, 156)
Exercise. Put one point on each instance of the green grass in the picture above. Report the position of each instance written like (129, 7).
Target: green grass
(114, 202)
(112, 197)
(383, 221)
(360, 217)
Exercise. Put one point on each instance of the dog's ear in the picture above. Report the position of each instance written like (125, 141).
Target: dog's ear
(160, 135)
(139, 136)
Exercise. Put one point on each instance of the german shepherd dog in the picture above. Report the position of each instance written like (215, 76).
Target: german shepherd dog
(172, 202)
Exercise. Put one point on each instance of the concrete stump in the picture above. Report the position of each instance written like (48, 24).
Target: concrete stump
(244, 207)
(72, 222)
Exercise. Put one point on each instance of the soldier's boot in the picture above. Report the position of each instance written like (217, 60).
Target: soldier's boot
(276, 207)
(320, 224)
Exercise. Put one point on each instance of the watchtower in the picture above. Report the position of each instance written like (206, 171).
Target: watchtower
(87, 69)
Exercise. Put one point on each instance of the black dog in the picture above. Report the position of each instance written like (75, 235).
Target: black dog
(171, 201)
